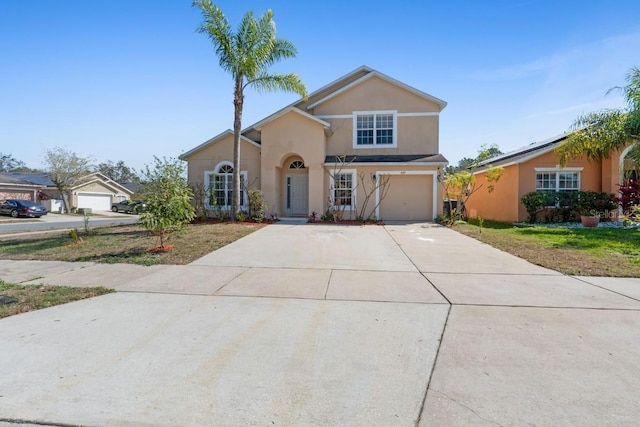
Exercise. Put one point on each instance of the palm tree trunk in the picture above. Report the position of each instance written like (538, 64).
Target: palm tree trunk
(238, 100)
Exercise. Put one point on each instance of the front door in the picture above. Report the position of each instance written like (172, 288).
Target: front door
(297, 196)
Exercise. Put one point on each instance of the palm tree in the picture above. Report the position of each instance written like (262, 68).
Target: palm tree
(247, 55)
(600, 133)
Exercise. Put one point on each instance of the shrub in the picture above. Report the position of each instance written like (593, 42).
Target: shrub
(564, 206)
(629, 194)
(257, 206)
(168, 198)
(595, 203)
(535, 201)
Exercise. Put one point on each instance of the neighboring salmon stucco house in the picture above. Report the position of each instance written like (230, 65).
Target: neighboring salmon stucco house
(536, 168)
(333, 150)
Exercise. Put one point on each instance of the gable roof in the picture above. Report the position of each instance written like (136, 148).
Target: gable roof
(213, 140)
(280, 113)
(522, 154)
(353, 78)
(374, 73)
(105, 180)
(10, 179)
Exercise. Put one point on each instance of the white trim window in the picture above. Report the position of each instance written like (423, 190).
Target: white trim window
(375, 129)
(557, 180)
(219, 187)
(343, 190)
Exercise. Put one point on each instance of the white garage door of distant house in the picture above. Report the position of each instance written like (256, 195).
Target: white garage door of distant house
(95, 201)
(413, 198)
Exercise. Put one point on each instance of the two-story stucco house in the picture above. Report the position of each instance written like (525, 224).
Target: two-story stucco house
(333, 149)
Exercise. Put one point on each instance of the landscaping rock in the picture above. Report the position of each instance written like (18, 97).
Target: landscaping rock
(6, 300)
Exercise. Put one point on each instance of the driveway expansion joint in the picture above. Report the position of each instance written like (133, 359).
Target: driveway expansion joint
(451, 399)
(433, 367)
(606, 289)
(37, 422)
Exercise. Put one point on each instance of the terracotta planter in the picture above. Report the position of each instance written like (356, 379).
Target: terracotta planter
(590, 220)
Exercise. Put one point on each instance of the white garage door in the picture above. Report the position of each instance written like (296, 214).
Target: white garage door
(410, 198)
(97, 202)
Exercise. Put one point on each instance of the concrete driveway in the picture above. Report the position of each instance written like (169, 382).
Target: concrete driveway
(320, 324)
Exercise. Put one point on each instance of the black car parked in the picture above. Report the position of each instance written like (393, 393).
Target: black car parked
(16, 208)
(129, 206)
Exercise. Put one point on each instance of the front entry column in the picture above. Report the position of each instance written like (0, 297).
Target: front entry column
(270, 189)
(317, 178)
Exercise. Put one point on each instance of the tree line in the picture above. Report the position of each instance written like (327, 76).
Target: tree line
(59, 157)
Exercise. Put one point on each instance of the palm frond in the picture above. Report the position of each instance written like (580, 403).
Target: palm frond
(595, 135)
(281, 49)
(216, 26)
(290, 82)
(632, 89)
(599, 134)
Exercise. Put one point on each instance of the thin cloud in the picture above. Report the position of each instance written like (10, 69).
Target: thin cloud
(577, 108)
(543, 66)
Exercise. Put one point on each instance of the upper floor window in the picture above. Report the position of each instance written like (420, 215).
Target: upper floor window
(374, 128)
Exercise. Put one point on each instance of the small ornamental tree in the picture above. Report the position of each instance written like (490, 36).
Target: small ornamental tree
(66, 169)
(462, 185)
(168, 198)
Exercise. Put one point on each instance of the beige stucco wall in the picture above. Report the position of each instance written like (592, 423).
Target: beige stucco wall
(415, 135)
(321, 93)
(94, 187)
(375, 94)
(401, 193)
(208, 158)
(292, 135)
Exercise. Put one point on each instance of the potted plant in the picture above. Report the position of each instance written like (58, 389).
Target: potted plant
(593, 205)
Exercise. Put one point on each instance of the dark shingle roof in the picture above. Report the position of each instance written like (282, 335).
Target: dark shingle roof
(389, 158)
(134, 187)
(31, 178)
(17, 179)
(521, 153)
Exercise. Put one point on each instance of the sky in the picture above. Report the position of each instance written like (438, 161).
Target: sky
(130, 79)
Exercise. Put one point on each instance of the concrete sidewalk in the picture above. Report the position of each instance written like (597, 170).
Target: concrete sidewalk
(316, 325)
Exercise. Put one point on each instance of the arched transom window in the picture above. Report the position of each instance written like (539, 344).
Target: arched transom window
(219, 185)
(297, 164)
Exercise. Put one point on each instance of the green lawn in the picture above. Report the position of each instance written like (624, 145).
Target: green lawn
(35, 297)
(575, 251)
(124, 244)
